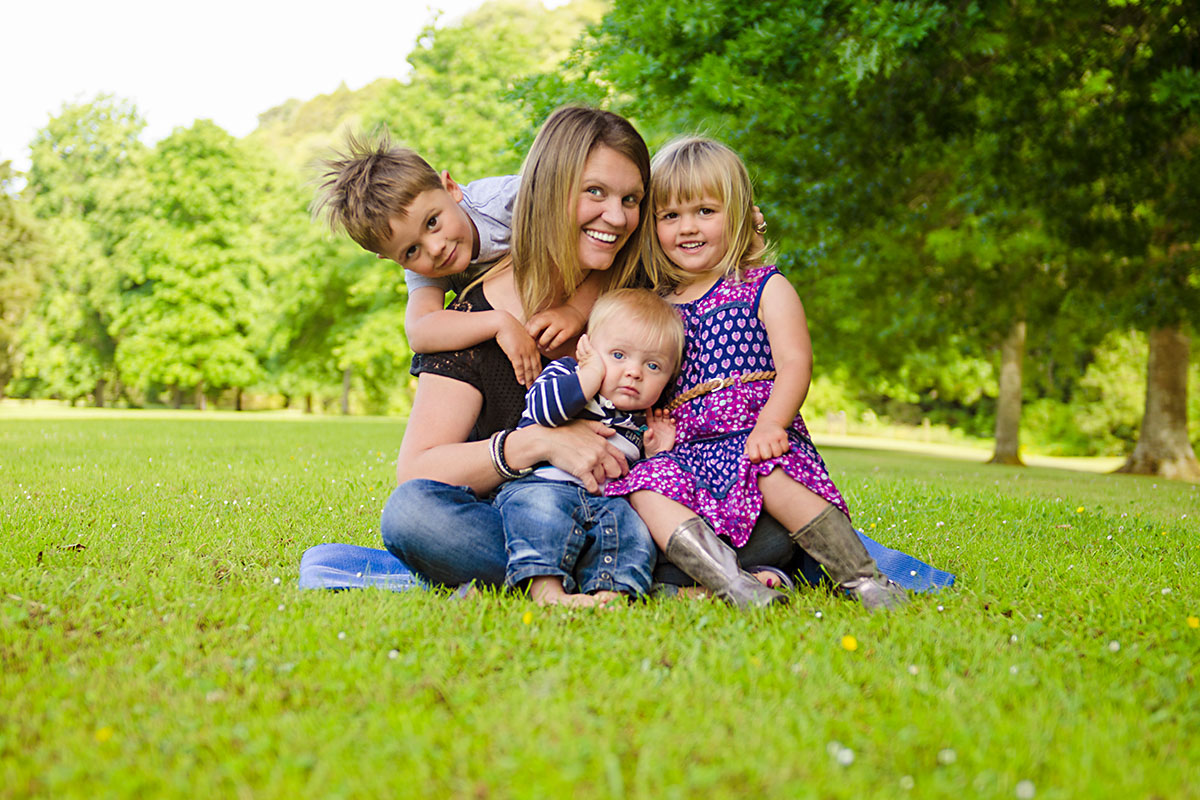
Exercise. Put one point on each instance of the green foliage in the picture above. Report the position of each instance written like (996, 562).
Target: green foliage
(83, 181)
(456, 107)
(299, 132)
(194, 279)
(24, 263)
(933, 173)
(153, 640)
(1105, 416)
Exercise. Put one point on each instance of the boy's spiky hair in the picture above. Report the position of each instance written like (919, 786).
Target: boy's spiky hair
(367, 184)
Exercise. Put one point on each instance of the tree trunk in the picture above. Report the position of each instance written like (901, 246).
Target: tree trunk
(308, 403)
(201, 399)
(346, 374)
(237, 399)
(1163, 447)
(98, 393)
(1008, 404)
(176, 397)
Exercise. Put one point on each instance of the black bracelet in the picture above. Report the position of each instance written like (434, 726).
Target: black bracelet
(498, 461)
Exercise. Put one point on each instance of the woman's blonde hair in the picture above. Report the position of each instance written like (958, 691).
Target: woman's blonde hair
(690, 168)
(646, 312)
(545, 232)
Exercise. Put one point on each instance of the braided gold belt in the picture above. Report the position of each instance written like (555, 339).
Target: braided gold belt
(718, 383)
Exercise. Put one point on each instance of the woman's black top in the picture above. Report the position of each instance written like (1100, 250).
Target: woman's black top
(484, 366)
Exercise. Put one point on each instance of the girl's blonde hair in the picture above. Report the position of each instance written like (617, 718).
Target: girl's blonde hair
(646, 312)
(690, 168)
(545, 232)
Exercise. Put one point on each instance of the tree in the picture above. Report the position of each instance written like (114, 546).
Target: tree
(1099, 106)
(81, 182)
(456, 108)
(24, 259)
(194, 303)
(1084, 115)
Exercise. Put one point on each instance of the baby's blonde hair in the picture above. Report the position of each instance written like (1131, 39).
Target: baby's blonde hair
(545, 232)
(690, 168)
(646, 311)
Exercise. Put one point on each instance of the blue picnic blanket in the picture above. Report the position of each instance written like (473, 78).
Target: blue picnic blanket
(348, 566)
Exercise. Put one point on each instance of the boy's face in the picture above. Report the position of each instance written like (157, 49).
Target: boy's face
(636, 367)
(435, 237)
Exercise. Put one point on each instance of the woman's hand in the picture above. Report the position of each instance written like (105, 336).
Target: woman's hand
(555, 326)
(767, 440)
(660, 432)
(580, 448)
(521, 350)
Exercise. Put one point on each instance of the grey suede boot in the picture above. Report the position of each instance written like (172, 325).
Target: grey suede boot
(832, 541)
(695, 549)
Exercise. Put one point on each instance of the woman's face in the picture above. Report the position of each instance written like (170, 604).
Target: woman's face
(607, 210)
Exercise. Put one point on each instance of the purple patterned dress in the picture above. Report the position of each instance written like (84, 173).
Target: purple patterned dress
(707, 470)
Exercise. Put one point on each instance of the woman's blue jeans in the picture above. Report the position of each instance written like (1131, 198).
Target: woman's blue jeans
(445, 533)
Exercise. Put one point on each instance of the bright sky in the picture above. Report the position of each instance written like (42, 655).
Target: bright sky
(224, 60)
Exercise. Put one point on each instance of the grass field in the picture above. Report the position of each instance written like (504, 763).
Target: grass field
(153, 641)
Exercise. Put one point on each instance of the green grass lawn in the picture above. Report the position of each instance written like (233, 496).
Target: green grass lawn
(153, 640)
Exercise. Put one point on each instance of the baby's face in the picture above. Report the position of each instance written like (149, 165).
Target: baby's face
(636, 368)
(435, 237)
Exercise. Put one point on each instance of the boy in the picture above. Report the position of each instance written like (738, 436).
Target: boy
(392, 203)
(559, 537)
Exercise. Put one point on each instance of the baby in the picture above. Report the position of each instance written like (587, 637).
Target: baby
(566, 545)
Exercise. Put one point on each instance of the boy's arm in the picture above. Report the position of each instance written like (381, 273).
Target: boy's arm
(557, 394)
(556, 326)
(431, 328)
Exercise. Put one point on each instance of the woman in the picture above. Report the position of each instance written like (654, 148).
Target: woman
(579, 211)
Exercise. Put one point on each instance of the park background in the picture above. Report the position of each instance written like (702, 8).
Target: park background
(987, 207)
(989, 210)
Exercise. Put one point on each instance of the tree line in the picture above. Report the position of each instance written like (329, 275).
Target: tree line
(985, 206)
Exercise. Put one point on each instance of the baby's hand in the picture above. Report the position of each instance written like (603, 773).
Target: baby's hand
(555, 326)
(521, 350)
(591, 368)
(660, 432)
(766, 441)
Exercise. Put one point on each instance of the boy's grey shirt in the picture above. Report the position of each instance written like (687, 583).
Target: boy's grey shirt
(489, 204)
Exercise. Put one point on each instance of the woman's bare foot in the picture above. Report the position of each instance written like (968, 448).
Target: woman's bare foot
(547, 590)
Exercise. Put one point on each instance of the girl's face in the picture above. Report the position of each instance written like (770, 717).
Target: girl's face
(692, 233)
(607, 209)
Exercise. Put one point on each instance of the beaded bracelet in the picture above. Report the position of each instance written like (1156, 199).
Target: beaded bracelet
(498, 462)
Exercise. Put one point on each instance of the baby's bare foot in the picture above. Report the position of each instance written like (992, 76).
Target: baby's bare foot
(546, 590)
(603, 598)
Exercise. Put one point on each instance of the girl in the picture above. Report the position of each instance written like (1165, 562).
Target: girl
(741, 446)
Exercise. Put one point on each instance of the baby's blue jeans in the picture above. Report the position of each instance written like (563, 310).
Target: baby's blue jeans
(557, 528)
